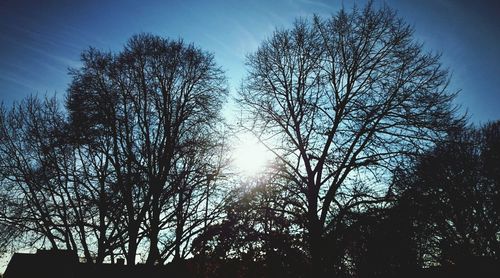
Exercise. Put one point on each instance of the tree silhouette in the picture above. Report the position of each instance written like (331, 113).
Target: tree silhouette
(127, 165)
(340, 101)
(256, 229)
(453, 197)
(157, 104)
(40, 180)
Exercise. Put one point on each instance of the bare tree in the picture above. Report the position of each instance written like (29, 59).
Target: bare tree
(154, 110)
(129, 169)
(339, 101)
(47, 196)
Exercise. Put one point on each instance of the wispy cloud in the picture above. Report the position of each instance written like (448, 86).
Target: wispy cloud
(15, 79)
(319, 4)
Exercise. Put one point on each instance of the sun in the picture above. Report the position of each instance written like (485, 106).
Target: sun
(250, 157)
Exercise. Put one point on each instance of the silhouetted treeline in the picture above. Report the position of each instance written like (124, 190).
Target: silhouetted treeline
(440, 217)
(451, 196)
(375, 173)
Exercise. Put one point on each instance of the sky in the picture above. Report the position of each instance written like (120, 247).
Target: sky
(40, 40)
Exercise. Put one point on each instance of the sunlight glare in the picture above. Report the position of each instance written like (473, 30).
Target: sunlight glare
(250, 157)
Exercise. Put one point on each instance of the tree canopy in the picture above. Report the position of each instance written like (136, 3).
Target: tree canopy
(340, 101)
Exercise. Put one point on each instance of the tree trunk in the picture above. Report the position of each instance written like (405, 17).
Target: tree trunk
(179, 229)
(315, 240)
(132, 245)
(154, 252)
(154, 222)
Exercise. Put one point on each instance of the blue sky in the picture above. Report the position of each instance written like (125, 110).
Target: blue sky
(39, 40)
